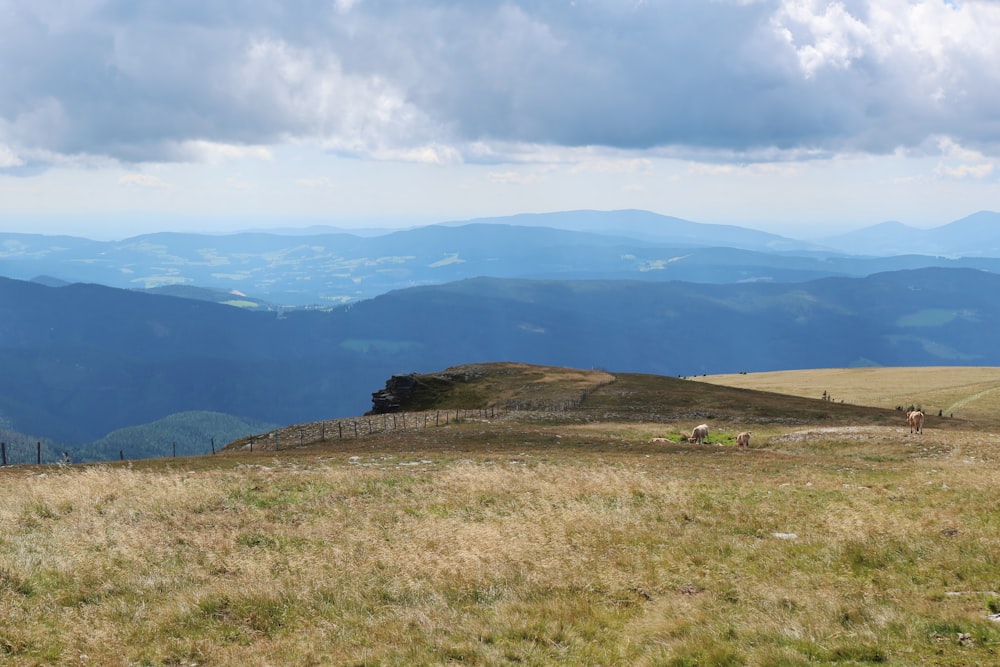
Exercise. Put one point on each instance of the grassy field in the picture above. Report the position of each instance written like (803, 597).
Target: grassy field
(533, 538)
(962, 391)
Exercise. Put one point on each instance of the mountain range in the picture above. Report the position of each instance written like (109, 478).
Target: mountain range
(83, 357)
(325, 269)
(80, 360)
(976, 235)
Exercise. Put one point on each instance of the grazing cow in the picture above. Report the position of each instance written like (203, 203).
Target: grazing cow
(743, 439)
(699, 434)
(916, 421)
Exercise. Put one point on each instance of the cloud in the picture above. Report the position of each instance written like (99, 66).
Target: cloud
(142, 181)
(822, 35)
(8, 158)
(958, 162)
(316, 183)
(746, 169)
(211, 152)
(513, 178)
(496, 81)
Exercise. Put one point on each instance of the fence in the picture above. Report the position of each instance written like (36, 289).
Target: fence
(322, 431)
(23, 452)
(358, 427)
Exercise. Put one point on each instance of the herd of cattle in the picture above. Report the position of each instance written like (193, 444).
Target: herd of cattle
(699, 434)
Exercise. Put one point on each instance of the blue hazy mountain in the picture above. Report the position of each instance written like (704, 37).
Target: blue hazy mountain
(80, 361)
(274, 271)
(977, 235)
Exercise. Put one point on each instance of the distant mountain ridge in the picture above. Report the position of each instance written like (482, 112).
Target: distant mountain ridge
(976, 235)
(653, 228)
(80, 361)
(278, 271)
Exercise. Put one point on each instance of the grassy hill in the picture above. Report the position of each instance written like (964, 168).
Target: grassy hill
(526, 515)
(971, 392)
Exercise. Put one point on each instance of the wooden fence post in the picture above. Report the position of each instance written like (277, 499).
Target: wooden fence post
(340, 429)
(39, 448)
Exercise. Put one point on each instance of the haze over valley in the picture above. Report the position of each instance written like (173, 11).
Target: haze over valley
(287, 328)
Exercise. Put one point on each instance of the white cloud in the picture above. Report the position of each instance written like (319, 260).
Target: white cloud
(142, 181)
(497, 82)
(344, 6)
(960, 171)
(781, 169)
(316, 183)
(823, 34)
(513, 178)
(217, 153)
(615, 165)
(958, 162)
(432, 154)
(8, 158)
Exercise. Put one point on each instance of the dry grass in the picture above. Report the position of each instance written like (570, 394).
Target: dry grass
(966, 392)
(517, 541)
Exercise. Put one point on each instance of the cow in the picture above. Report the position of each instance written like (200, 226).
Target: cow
(916, 420)
(699, 434)
(743, 439)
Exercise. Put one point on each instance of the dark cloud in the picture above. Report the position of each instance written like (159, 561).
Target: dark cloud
(138, 81)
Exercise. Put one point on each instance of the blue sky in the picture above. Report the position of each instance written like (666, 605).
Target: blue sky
(802, 117)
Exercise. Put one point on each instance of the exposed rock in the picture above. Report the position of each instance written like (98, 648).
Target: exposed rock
(398, 388)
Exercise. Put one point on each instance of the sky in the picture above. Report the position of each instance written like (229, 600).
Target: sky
(800, 117)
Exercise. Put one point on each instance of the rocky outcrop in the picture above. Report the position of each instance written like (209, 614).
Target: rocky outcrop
(398, 390)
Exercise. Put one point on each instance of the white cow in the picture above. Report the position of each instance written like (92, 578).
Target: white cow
(699, 434)
(916, 420)
(743, 439)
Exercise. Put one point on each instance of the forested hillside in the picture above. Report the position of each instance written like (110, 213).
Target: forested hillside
(81, 361)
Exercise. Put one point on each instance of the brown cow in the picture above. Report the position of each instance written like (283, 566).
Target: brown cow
(916, 420)
(699, 434)
(743, 439)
